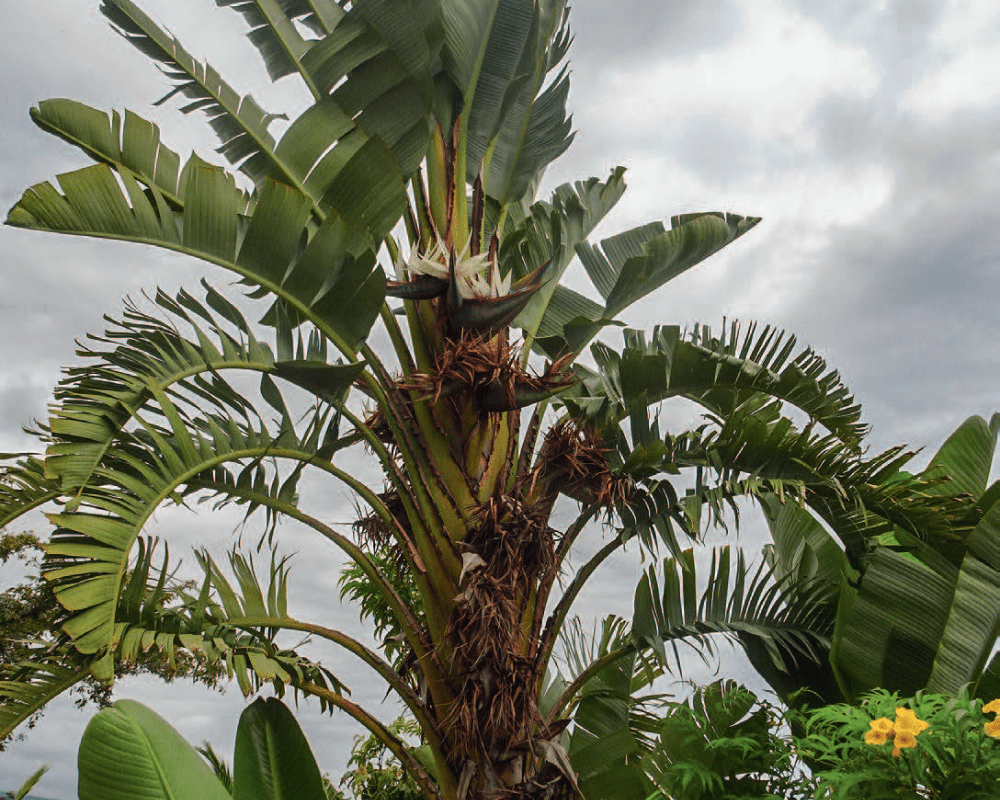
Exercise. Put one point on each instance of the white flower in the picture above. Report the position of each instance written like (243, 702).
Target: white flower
(476, 276)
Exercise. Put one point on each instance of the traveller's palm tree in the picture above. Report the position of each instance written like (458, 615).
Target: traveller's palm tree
(404, 196)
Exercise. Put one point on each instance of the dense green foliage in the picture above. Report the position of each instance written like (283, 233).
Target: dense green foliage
(404, 199)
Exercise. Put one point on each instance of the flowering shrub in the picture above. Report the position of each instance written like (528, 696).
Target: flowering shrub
(928, 746)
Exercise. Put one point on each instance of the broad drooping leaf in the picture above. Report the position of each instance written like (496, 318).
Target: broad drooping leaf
(129, 752)
(273, 760)
(966, 457)
(321, 282)
(627, 267)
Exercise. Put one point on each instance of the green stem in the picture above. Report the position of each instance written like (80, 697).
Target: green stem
(559, 613)
(398, 342)
(370, 657)
(393, 743)
(567, 696)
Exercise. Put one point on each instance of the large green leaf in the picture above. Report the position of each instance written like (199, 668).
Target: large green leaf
(896, 624)
(802, 548)
(467, 26)
(516, 127)
(630, 265)
(239, 122)
(548, 236)
(273, 33)
(721, 373)
(966, 457)
(127, 143)
(207, 625)
(97, 400)
(971, 629)
(320, 282)
(610, 718)
(24, 487)
(89, 550)
(273, 760)
(128, 752)
(733, 603)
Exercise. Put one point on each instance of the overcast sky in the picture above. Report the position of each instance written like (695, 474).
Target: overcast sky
(865, 133)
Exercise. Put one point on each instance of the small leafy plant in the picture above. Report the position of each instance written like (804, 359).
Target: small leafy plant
(725, 742)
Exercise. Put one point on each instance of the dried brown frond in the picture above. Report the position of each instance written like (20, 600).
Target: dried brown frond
(376, 422)
(374, 534)
(514, 539)
(573, 459)
(465, 364)
(496, 709)
(489, 368)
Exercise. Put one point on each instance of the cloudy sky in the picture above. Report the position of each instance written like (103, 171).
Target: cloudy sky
(865, 133)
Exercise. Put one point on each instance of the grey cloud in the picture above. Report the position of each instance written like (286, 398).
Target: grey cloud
(612, 35)
(909, 306)
(904, 302)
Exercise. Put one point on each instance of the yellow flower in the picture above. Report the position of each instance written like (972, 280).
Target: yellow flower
(906, 720)
(881, 729)
(903, 738)
(992, 728)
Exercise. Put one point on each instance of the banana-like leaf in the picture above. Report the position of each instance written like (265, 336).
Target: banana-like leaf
(611, 721)
(971, 630)
(272, 759)
(95, 402)
(249, 600)
(735, 606)
(802, 549)
(321, 282)
(24, 486)
(318, 16)
(749, 455)
(605, 749)
(721, 373)
(915, 625)
(129, 751)
(549, 235)
(88, 552)
(239, 122)
(127, 143)
(517, 127)
(388, 54)
(630, 265)
(308, 160)
(207, 625)
(966, 457)
(273, 33)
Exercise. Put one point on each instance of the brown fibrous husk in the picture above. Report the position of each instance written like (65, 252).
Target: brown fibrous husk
(496, 707)
(472, 363)
(573, 458)
(373, 534)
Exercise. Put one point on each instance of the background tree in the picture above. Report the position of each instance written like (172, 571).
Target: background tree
(420, 156)
(28, 617)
